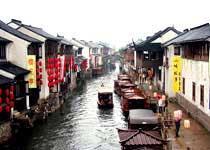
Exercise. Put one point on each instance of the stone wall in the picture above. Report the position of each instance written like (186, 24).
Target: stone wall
(195, 112)
(5, 132)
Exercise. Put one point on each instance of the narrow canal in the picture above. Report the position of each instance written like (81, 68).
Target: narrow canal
(83, 126)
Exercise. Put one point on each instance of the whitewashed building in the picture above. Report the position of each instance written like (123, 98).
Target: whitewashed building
(193, 48)
(149, 55)
(49, 48)
(14, 64)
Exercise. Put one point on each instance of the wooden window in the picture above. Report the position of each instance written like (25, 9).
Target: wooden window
(183, 85)
(193, 91)
(159, 74)
(177, 51)
(2, 51)
(202, 95)
(80, 51)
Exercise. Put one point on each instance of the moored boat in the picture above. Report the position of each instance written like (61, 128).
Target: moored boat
(105, 97)
(132, 101)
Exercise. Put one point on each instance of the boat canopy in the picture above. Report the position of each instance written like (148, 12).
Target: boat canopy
(142, 116)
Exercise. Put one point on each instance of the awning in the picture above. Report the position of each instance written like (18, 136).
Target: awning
(5, 80)
(13, 69)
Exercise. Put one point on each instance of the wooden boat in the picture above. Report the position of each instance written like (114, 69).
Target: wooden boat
(105, 98)
(132, 101)
(97, 71)
(125, 86)
(122, 75)
(145, 119)
(117, 84)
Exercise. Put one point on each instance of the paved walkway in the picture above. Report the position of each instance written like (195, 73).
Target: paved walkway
(194, 138)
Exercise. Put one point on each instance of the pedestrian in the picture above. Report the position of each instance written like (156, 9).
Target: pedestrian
(177, 118)
(177, 124)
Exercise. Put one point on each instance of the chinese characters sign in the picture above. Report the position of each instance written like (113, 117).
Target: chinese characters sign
(176, 73)
(31, 62)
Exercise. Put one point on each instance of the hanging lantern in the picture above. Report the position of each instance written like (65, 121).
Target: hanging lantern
(12, 88)
(0, 91)
(40, 63)
(7, 108)
(12, 96)
(40, 69)
(1, 100)
(7, 100)
(186, 124)
(40, 76)
(12, 104)
(7, 92)
(48, 71)
(48, 60)
(1, 109)
(40, 82)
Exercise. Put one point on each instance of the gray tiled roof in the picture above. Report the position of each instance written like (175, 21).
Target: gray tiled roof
(64, 41)
(11, 68)
(157, 35)
(41, 32)
(12, 31)
(200, 33)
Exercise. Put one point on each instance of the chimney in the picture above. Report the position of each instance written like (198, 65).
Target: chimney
(185, 30)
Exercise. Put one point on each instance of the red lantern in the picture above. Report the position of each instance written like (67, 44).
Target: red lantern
(12, 88)
(49, 84)
(48, 71)
(1, 109)
(7, 109)
(7, 92)
(12, 96)
(0, 91)
(40, 69)
(0, 100)
(40, 76)
(7, 100)
(41, 82)
(48, 60)
(12, 104)
(40, 63)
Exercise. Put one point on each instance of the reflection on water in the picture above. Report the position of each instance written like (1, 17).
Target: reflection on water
(83, 126)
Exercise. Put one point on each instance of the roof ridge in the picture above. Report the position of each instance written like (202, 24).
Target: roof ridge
(128, 138)
(31, 26)
(149, 134)
(200, 26)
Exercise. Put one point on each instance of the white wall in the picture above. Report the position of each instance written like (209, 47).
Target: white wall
(168, 73)
(196, 71)
(85, 51)
(16, 50)
(165, 37)
(44, 88)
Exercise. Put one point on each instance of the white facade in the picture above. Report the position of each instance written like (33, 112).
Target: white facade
(44, 93)
(16, 51)
(198, 72)
(85, 51)
(168, 72)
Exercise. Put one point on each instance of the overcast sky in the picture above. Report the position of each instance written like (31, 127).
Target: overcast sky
(112, 21)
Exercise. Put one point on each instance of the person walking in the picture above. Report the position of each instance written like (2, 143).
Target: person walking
(177, 124)
(177, 118)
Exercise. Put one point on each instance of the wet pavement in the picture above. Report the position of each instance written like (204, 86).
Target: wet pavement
(83, 126)
(194, 138)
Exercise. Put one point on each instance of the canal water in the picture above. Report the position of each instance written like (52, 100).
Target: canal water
(83, 126)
